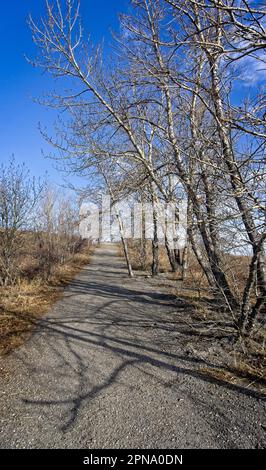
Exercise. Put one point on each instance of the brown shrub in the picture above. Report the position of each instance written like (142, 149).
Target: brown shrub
(22, 304)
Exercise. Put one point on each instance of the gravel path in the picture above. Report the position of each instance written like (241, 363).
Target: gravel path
(106, 369)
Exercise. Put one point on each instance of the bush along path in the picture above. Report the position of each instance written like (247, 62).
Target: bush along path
(107, 368)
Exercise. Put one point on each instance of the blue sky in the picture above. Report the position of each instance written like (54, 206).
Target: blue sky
(20, 82)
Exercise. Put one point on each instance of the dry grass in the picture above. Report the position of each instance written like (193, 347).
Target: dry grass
(241, 364)
(21, 305)
(242, 374)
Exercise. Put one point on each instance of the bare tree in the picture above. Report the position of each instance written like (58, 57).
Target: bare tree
(19, 194)
(56, 228)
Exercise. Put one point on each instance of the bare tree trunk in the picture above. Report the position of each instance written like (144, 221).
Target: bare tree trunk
(171, 253)
(204, 266)
(124, 243)
(254, 312)
(143, 242)
(155, 241)
(178, 256)
(185, 261)
(248, 313)
(188, 230)
(155, 245)
(143, 254)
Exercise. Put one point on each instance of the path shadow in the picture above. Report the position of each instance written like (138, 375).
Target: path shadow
(127, 324)
(130, 354)
(102, 289)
